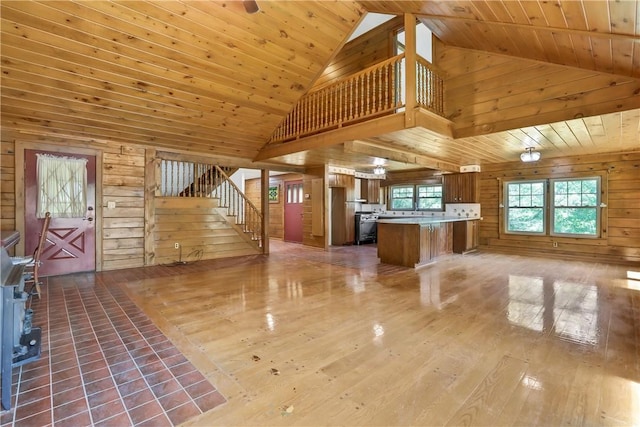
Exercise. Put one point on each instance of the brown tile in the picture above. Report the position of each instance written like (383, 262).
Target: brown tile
(163, 345)
(26, 411)
(182, 369)
(70, 409)
(159, 421)
(63, 365)
(142, 352)
(108, 410)
(200, 389)
(90, 358)
(133, 387)
(152, 368)
(147, 360)
(34, 395)
(115, 421)
(94, 366)
(174, 400)
(127, 376)
(68, 396)
(102, 397)
(165, 388)
(67, 384)
(210, 401)
(35, 419)
(183, 413)
(118, 358)
(190, 379)
(139, 398)
(100, 374)
(145, 412)
(82, 419)
(98, 386)
(159, 377)
(122, 367)
(34, 384)
(65, 374)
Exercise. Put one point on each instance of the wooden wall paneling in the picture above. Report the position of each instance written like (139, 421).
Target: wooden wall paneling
(308, 236)
(620, 175)
(490, 102)
(362, 52)
(123, 184)
(7, 186)
(199, 228)
(317, 207)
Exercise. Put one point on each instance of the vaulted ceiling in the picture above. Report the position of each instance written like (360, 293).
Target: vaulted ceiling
(207, 77)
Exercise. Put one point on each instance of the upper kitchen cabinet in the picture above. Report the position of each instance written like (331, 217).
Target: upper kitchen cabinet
(370, 190)
(461, 188)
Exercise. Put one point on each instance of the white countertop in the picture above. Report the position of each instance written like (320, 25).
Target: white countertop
(425, 219)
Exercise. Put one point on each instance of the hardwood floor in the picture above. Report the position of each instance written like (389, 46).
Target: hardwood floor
(308, 337)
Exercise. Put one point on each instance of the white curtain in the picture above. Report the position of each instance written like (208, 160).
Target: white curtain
(62, 186)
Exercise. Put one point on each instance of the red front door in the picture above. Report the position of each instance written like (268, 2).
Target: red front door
(293, 196)
(71, 243)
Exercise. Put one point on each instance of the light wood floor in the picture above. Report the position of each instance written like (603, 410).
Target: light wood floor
(307, 337)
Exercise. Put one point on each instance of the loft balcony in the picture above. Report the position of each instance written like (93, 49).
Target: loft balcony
(388, 97)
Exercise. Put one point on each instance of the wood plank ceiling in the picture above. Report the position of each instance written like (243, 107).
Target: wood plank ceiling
(207, 77)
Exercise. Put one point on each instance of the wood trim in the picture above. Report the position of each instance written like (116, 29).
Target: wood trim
(370, 128)
(264, 206)
(151, 172)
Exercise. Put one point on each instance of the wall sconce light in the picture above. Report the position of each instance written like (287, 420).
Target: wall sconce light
(379, 170)
(529, 155)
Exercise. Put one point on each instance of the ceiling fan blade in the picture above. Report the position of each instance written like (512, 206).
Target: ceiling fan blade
(251, 6)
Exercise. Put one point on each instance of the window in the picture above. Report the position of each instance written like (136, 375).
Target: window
(420, 197)
(430, 197)
(575, 206)
(525, 207)
(402, 197)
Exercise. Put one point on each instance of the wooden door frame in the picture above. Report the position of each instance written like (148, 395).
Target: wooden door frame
(20, 147)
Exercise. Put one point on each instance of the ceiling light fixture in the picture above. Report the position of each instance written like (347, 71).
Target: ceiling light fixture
(379, 170)
(529, 155)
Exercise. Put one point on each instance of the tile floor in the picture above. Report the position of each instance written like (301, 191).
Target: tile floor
(103, 363)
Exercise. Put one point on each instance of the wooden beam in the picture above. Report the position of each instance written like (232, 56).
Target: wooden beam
(370, 128)
(264, 207)
(438, 124)
(391, 152)
(410, 68)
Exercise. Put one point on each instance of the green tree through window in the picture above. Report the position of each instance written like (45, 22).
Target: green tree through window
(575, 206)
(525, 207)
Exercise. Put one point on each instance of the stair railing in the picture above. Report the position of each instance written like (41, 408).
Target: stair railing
(191, 179)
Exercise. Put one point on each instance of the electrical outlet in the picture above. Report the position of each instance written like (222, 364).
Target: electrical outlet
(176, 245)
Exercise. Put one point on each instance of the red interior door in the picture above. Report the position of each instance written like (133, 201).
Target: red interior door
(293, 197)
(71, 242)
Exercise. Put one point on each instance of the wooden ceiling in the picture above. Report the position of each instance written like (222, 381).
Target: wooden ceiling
(207, 77)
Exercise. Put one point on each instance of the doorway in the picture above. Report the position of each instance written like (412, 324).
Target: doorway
(71, 242)
(293, 211)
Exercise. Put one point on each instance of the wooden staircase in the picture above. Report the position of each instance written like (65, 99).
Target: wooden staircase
(212, 181)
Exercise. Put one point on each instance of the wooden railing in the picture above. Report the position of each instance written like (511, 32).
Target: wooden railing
(369, 93)
(190, 179)
(429, 87)
(372, 92)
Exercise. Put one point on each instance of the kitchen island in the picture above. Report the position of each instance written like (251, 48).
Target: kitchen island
(416, 241)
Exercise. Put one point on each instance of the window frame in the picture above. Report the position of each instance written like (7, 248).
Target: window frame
(549, 206)
(392, 198)
(418, 198)
(544, 207)
(595, 207)
(415, 200)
